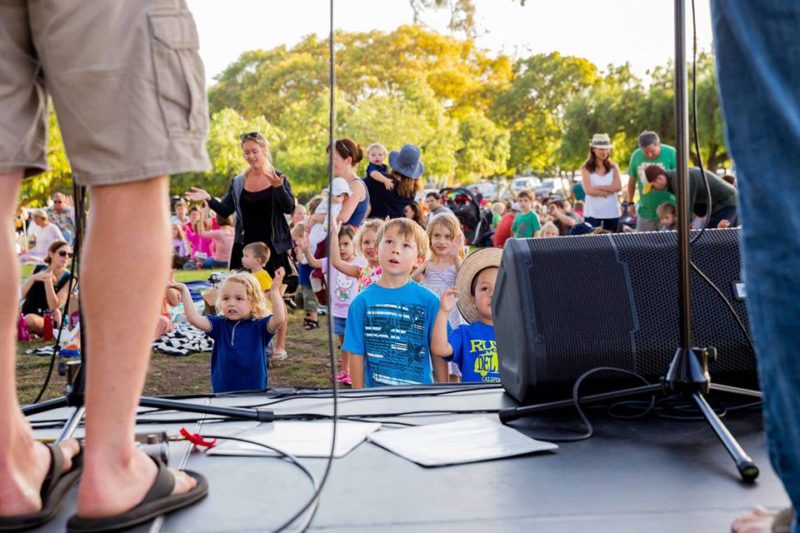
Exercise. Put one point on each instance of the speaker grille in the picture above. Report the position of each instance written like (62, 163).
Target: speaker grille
(613, 300)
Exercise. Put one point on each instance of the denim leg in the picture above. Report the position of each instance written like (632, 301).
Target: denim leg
(758, 62)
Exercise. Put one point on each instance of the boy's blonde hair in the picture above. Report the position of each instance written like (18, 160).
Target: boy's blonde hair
(253, 290)
(407, 228)
(297, 231)
(498, 208)
(259, 250)
(374, 146)
(372, 224)
(451, 223)
(549, 229)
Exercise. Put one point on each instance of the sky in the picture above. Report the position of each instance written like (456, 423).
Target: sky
(604, 31)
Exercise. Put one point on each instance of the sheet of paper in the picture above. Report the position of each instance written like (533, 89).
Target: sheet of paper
(301, 439)
(465, 441)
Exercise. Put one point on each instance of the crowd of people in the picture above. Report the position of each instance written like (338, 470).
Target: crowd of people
(259, 227)
(395, 330)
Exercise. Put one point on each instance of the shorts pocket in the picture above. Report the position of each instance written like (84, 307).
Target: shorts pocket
(179, 73)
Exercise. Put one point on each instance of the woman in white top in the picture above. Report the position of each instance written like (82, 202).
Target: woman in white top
(601, 182)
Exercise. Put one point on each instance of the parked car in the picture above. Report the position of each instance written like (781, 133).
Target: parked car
(525, 182)
(486, 189)
(552, 187)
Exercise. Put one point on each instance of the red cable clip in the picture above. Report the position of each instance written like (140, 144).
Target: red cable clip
(197, 440)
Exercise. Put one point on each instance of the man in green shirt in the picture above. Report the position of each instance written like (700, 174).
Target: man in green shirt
(723, 211)
(650, 152)
(526, 223)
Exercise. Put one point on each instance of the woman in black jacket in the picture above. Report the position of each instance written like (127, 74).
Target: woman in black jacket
(260, 196)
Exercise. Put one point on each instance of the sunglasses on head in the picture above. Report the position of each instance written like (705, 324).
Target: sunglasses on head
(64, 253)
(341, 146)
(253, 135)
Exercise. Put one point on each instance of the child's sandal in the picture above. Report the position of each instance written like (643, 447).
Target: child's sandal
(309, 324)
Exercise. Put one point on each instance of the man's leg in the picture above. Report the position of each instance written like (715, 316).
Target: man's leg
(123, 277)
(23, 463)
(758, 64)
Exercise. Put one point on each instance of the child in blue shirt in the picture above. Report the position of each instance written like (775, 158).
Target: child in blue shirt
(389, 324)
(472, 346)
(376, 168)
(243, 331)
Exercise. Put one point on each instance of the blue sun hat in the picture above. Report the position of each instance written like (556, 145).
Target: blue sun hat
(406, 161)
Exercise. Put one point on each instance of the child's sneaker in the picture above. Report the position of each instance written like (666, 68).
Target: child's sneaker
(346, 380)
(340, 376)
(343, 377)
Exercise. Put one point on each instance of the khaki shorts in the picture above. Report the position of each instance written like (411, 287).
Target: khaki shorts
(125, 77)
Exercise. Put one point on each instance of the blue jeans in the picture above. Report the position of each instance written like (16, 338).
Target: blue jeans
(758, 62)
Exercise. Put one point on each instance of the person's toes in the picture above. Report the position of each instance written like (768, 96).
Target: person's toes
(70, 448)
(183, 481)
(759, 520)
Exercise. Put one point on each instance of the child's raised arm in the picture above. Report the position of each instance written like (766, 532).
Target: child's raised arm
(194, 318)
(305, 246)
(440, 347)
(278, 310)
(335, 258)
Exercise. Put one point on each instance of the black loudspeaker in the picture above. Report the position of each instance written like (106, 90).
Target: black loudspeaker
(565, 305)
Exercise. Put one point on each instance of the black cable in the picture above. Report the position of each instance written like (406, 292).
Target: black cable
(705, 181)
(313, 503)
(576, 402)
(284, 455)
(728, 304)
(78, 200)
(694, 128)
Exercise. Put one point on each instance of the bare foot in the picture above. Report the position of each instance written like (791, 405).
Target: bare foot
(21, 477)
(759, 520)
(115, 486)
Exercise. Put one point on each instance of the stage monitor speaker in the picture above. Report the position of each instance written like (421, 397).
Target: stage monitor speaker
(565, 305)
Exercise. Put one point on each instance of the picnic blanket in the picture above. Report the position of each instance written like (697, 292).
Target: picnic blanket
(184, 339)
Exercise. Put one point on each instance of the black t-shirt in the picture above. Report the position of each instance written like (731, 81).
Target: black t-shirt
(256, 216)
(36, 299)
(385, 203)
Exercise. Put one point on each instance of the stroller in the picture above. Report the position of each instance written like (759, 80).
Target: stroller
(476, 223)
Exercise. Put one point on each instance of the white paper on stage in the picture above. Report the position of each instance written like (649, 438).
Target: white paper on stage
(465, 441)
(301, 439)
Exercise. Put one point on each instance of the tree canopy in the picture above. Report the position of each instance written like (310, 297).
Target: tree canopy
(475, 115)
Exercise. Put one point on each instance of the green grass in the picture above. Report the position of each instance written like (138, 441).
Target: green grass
(307, 366)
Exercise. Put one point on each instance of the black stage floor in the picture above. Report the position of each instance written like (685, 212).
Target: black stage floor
(651, 474)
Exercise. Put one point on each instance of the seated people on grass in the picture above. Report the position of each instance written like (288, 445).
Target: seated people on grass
(46, 290)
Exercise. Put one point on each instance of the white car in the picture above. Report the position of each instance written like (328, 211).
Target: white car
(527, 182)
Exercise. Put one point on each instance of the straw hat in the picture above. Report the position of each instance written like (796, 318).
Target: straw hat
(601, 140)
(470, 268)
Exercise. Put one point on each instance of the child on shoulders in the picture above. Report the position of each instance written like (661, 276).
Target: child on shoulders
(472, 346)
(389, 324)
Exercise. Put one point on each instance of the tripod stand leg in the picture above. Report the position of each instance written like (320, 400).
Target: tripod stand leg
(71, 424)
(747, 468)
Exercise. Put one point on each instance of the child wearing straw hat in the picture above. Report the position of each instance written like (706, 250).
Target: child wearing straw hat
(471, 346)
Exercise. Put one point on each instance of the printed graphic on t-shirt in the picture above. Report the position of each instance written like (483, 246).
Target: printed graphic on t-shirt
(484, 353)
(397, 349)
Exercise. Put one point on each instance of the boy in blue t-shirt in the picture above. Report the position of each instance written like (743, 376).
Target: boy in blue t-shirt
(472, 346)
(389, 323)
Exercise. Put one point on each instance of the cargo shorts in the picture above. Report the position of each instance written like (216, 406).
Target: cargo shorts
(126, 81)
